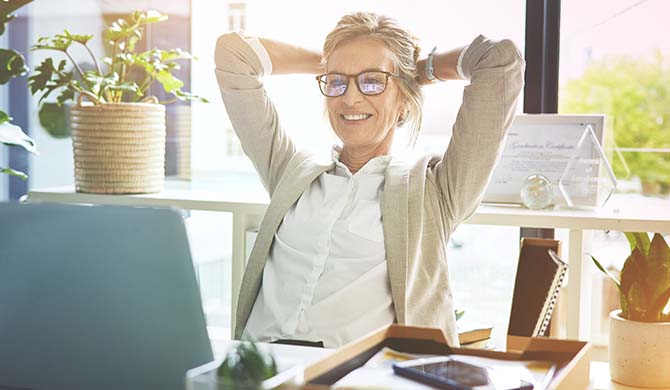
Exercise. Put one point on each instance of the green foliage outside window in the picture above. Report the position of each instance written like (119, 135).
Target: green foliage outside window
(635, 95)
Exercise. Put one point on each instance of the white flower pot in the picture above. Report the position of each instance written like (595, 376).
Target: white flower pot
(639, 352)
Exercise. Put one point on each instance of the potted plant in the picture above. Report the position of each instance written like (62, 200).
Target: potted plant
(639, 347)
(118, 128)
(12, 64)
(246, 366)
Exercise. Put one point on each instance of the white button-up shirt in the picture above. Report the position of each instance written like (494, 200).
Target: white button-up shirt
(326, 277)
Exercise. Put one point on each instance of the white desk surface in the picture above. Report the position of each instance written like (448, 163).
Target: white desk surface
(622, 213)
(289, 356)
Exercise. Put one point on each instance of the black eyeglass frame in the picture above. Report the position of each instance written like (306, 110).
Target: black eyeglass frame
(355, 77)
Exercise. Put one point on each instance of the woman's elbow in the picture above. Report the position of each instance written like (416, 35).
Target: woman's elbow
(223, 51)
(511, 57)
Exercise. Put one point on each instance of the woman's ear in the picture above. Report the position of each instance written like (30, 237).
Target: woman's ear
(402, 117)
(400, 121)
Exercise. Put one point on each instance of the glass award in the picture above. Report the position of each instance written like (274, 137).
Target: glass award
(588, 179)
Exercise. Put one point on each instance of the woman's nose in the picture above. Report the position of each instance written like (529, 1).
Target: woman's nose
(352, 95)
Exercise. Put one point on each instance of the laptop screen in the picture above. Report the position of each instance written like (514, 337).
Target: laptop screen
(97, 297)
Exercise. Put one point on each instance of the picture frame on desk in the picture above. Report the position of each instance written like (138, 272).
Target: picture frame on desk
(540, 144)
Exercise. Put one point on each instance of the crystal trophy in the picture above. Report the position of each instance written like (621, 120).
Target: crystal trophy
(588, 179)
(537, 192)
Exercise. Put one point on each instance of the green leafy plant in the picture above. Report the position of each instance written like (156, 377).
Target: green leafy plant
(644, 283)
(12, 64)
(125, 76)
(634, 93)
(246, 367)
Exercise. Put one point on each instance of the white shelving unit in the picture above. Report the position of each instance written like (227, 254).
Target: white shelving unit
(622, 213)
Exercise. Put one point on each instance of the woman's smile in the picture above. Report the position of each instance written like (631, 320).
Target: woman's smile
(355, 118)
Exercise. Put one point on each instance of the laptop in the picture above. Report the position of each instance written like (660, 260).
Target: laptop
(97, 297)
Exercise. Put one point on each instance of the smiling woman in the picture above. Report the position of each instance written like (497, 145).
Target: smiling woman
(366, 224)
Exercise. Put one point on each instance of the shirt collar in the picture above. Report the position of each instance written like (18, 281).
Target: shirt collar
(375, 166)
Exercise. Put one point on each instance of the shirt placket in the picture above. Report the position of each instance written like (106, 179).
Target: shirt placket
(322, 255)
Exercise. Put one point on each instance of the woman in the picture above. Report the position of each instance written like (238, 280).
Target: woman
(359, 242)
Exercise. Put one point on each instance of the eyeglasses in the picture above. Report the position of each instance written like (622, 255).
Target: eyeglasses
(368, 82)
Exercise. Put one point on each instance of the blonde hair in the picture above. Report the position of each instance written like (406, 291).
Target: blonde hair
(405, 49)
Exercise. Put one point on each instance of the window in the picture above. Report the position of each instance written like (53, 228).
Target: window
(614, 60)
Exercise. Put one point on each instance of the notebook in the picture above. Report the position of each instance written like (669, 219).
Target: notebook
(469, 332)
(539, 276)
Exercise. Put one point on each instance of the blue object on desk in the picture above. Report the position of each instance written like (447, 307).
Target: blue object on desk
(97, 297)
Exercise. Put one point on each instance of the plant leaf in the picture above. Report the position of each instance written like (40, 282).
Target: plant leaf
(637, 302)
(634, 269)
(606, 272)
(4, 117)
(12, 64)
(126, 87)
(169, 82)
(13, 135)
(6, 9)
(657, 278)
(48, 79)
(659, 250)
(13, 172)
(65, 95)
(657, 305)
(152, 16)
(9, 6)
(638, 240)
(59, 42)
(79, 38)
(42, 76)
(54, 119)
(174, 54)
(117, 31)
(187, 96)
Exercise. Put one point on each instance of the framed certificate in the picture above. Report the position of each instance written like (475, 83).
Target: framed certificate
(540, 144)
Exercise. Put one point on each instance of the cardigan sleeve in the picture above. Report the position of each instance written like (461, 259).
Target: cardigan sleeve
(495, 70)
(252, 114)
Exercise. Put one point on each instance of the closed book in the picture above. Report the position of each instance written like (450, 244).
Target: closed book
(469, 332)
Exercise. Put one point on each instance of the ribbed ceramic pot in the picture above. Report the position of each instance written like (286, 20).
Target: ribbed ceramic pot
(639, 352)
(119, 148)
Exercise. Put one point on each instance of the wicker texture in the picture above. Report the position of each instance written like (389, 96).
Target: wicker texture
(119, 148)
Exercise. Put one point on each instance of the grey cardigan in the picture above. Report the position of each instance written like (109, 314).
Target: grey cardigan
(422, 201)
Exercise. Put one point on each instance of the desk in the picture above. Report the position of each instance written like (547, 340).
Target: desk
(247, 205)
(289, 356)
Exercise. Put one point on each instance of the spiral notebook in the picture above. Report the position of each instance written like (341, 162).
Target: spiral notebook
(540, 274)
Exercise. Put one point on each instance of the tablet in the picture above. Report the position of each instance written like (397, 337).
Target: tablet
(447, 373)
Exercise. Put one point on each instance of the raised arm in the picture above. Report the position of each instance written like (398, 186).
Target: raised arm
(495, 71)
(252, 114)
(287, 58)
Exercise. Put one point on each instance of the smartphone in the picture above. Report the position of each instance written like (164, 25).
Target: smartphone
(447, 373)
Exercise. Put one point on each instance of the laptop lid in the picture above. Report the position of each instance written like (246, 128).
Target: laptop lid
(97, 297)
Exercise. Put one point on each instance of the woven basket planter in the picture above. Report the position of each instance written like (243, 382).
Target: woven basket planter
(119, 148)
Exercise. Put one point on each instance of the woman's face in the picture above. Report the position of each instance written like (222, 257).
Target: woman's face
(362, 120)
